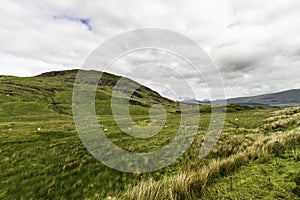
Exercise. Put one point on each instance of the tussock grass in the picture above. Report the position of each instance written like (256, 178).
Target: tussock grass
(187, 185)
(283, 119)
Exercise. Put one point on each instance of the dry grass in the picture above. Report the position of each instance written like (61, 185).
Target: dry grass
(190, 184)
(283, 119)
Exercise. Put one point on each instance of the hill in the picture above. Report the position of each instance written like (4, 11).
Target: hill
(42, 156)
(280, 99)
(52, 92)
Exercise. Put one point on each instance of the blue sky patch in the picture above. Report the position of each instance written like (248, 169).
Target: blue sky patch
(84, 21)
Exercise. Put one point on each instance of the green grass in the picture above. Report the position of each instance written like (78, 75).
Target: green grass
(273, 179)
(42, 156)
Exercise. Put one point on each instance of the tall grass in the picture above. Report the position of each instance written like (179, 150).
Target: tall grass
(189, 185)
(283, 119)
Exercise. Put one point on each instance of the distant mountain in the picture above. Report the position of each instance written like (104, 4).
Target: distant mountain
(279, 99)
(52, 91)
(193, 101)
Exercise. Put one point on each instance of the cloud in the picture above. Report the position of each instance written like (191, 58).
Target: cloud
(255, 44)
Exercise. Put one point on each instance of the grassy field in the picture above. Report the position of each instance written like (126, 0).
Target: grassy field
(42, 156)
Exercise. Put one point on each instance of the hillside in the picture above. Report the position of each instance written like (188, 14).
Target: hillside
(52, 92)
(42, 156)
(40, 150)
(280, 99)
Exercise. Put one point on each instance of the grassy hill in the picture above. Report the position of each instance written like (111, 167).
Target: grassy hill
(42, 156)
(281, 99)
(52, 91)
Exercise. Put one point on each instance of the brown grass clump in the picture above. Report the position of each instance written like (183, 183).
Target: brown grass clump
(283, 119)
(188, 185)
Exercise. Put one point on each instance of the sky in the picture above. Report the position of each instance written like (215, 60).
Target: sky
(254, 44)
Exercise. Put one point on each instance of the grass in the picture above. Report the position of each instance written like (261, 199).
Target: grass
(42, 156)
(193, 184)
(273, 179)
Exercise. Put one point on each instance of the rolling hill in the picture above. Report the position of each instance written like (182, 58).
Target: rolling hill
(52, 92)
(280, 99)
(43, 157)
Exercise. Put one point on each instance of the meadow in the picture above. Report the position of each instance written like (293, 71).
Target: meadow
(42, 156)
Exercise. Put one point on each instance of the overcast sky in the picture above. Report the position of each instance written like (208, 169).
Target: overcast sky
(255, 44)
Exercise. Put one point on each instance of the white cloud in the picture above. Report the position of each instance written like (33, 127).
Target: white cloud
(256, 44)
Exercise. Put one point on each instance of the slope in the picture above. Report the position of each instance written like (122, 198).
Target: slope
(285, 98)
(52, 92)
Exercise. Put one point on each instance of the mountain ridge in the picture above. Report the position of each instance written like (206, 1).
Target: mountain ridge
(53, 81)
(278, 99)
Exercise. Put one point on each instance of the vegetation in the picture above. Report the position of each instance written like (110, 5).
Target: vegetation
(290, 98)
(189, 184)
(42, 156)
